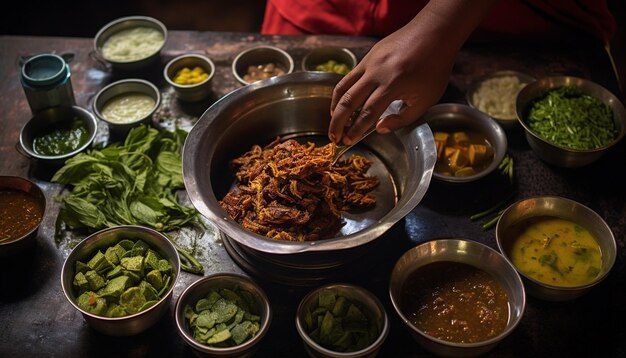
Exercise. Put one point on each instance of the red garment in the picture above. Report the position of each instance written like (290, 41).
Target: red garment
(382, 17)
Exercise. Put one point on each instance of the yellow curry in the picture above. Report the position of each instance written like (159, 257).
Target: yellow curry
(555, 251)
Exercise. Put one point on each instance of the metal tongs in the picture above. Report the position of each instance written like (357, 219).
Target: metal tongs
(394, 107)
(342, 148)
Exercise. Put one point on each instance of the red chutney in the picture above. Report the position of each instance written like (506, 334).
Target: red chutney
(20, 213)
(455, 302)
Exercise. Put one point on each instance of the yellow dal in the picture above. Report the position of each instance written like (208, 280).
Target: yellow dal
(555, 251)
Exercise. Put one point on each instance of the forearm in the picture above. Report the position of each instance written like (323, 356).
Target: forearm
(450, 22)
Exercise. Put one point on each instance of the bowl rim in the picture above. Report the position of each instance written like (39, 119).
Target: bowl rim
(243, 53)
(84, 114)
(31, 188)
(373, 347)
(440, 109)
(181, 323)
(101, 92)
(523, 77)
(549, 83)
(510, 327)
(66, 269)
(116, 22)
(204, 59)
(612, 243)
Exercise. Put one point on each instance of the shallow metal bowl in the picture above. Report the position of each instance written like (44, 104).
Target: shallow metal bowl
(121, 87)
(200, 289)
(467, 252)
(459, 117)
(125, 23)
(140, 321)
(190, 92)
(49, 119)
(297, 106)
(11, 248)
(567, 209)
(506, 123)
(374, 311)
(559, 155)
(258, 56)
(323, 54)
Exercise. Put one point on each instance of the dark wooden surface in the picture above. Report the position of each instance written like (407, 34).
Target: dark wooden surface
(37, 320)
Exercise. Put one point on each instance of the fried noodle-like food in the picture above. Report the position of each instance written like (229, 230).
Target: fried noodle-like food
(290, 191)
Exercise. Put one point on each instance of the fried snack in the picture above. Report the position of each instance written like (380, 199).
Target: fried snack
(290, 191)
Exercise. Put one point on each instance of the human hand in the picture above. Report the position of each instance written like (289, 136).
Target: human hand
(412, 64)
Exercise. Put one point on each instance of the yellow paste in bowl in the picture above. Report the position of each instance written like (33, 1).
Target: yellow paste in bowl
(555, 251)
(128, 108)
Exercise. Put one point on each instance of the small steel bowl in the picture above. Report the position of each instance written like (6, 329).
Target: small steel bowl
(563, 208)
(200, 289)
(140, 321)
(452, 117)
(322, 55)
(370, 306)
(466, 252)
(190, 92)
(47, 121)
(121, 88)
(556, 154)
(261, 55)
(504, 95)
(16, 246)
(127, 23)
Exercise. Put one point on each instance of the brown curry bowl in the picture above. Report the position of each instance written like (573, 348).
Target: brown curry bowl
(460, 251)
(23, 209)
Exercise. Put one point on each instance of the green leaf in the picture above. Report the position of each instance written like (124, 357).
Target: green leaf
(87, 213)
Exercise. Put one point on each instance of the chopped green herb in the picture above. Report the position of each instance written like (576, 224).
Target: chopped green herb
(567, 117)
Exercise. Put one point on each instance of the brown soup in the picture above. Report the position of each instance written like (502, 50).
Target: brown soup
(20, 213)
(455, 302)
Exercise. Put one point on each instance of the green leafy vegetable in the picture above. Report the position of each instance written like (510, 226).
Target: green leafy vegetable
(133, 183)
(569, 118)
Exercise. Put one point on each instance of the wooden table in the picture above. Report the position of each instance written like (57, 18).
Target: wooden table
(36, 319)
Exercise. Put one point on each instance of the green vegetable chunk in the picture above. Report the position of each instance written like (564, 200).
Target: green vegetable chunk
(338, 323)
(222, 318)
(123, 289)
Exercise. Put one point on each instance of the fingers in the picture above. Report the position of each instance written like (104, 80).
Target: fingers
(370, 113)
(347, 99)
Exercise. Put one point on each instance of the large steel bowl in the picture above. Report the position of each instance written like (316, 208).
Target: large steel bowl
(297, 106)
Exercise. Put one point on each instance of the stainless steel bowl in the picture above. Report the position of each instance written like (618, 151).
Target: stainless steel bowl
(459, 117)
(14, 247)
(135, 323)
(467, 252)
(190, 92)
(125, 23)
(200, 289)
(556, 154)
(296, 106)
(46, 121)
(258, 56)
(567, 209)
(373, 309)
(121, 87)
(506, 123)
(323, 54)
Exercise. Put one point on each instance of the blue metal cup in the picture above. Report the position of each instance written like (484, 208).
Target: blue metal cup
(46, 82)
